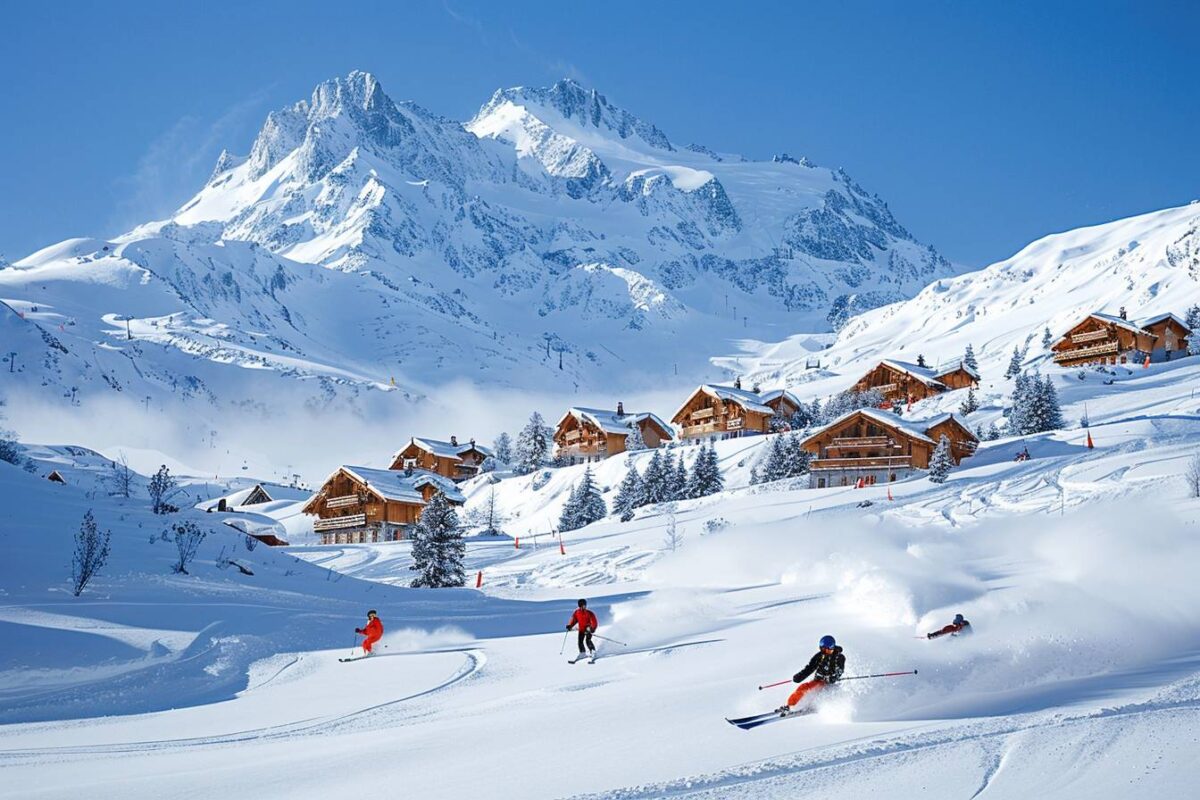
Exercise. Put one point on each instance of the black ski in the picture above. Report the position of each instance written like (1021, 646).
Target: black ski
(749, 723)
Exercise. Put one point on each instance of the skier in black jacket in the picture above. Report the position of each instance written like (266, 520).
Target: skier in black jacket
(825, 667)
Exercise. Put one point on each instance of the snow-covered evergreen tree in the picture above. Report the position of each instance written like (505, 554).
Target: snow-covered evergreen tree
(773, 466)
(1193, 322)
(437, 546)
(502, 449)
(1035, 406)
(584, 506)
(1047, 339)
(533, 445)
(629, 495)
(1018, 413)
(970, 403)
(969, 358)
(635, 441)
(1014, 363)
(706, 476)
(941, 461)
(654, 480)
(798, 459)
(677, 487)
(993, 431)
(1049, 409)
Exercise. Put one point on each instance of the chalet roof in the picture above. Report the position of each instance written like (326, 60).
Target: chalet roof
(1146, 323)
(748, 400)
(775, 394)
(884, 418)
(445, 449)
(1122, 323)
(974, 373)
(403, 486)
(610, 421)
(933, 422)
(923, 374)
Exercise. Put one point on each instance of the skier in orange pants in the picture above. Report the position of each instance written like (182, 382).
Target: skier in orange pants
(373, 631)
(825, 667)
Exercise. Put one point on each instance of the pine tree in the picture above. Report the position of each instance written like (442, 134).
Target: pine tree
(1019, 413)
(1047, 339)
(654, 480)
(969, 358)
(584, 506)
(635, 441)
(1014, 364)
(1050, 409)
(941, 462)
(629, 495)
(971, 403)
(706, 474)
(1193, 322)
(677, 487)
(533, 445)
(815, 412)
(798, 459)
(437, 546)
(993, 431)
(502, 449)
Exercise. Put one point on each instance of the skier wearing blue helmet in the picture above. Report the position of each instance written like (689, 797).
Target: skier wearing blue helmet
(825, 667)
(960, 627)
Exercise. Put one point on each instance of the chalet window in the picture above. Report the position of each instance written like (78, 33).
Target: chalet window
(820, 483)
(891, 477)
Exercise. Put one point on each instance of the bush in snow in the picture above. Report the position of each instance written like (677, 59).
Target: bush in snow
(438, 547)
(969, 358)
(162, 488)
(188, 536)
(635, 441)
(629, 495)
(971, 403)
(533, 445)
(502, 448)
(486, 516)
(1192, 475)
(673, 537)
(941, 462)
(251, 543)
(584, 506)
(119, 478)
(706, 474)
(540, 480)
(91, 553)
(716, 524)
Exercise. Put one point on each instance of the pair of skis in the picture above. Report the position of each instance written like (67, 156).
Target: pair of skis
(354, 658)
(748, 723)
(591, 660)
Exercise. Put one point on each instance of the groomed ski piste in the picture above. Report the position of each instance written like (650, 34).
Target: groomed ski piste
(1077, 568)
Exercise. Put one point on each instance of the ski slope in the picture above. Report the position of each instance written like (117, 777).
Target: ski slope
(1077, 569)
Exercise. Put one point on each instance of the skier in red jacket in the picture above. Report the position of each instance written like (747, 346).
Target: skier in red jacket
(959, 627)
(587, 623)
(373, 631)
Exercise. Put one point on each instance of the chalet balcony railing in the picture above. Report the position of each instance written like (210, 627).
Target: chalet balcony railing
(342, 502)
(703, 413)
(886, 388)
(1108, 348)
(870, 462)
(571, 436)
(336, 523)
(861, 441)
(1090, 336)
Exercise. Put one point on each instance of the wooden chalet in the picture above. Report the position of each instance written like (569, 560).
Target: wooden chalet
(714, 411)
(902, 382)
(1105, 339)
(359, 504)
(877, 447)
(594, 434)
(452, 460)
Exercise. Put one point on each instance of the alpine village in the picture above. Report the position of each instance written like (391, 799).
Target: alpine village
(871, 433)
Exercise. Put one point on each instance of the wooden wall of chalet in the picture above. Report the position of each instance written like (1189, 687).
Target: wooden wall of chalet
(962, 441)
(717, 416)
(582, 435)
(958, 378)
(1172, 337)
(376, 510)
(895, 384)
(1099, 333)
(861, 427)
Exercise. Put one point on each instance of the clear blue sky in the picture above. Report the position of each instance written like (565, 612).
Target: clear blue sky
(983, 126)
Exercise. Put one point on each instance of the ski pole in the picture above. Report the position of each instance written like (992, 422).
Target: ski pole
(877, 675)
(605, 638)
(777, 683)
(564, 644)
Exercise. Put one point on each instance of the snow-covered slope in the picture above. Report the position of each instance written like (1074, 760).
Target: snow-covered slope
(1149, 264)
(364, 245)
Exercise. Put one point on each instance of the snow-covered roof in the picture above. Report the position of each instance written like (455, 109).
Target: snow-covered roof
(923, 374)
(1146, 323)
(610, 421)
(751, 401)
(400, 485)
(446, 449)
(933, 422)
(885, 418)
(775, 394)
(1123, 323)
(964, 366)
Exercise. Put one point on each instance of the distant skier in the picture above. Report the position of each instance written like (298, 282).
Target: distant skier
(825, 668)
(960, 627)
(373, 631)
(587, 623)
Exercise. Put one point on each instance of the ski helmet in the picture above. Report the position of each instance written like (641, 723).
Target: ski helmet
(827, 642)
(583, 603)
(372, 612)
(958, 618)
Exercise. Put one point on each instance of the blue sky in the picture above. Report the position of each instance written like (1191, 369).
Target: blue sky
(983, 126)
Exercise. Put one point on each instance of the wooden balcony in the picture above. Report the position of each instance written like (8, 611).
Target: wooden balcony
(1090, 336)
(344, 501)
(842, 442)
(703, 413)
(1085, 353)
(336, 523)
(886, 388)
(871, 462)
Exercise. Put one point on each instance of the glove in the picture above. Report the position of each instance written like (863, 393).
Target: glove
(568, 627)
(591, 630)
(796, 678)
(358, 630)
